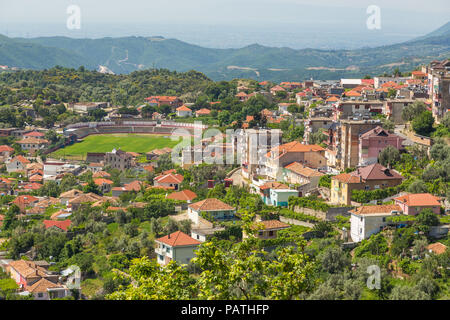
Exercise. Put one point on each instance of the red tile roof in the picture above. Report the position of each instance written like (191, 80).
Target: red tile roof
(25, 200)
(273, 185)
(63, 225)
(211, 204)
(170, 178)
(183, 108)
(101, 181)
(300, 169)
(374, 210)
(185, 195)
(437, 247)
(203, 111)
(273, 224)
(20, 159)
(376, 172)
(295, 146)
(5, 148)
(419, 200)
(101, 174)
(178, 239)
(35, 134)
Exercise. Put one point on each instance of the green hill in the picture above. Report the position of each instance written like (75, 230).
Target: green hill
(128, 54)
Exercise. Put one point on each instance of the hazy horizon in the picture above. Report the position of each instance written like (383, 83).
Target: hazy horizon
(297, 24)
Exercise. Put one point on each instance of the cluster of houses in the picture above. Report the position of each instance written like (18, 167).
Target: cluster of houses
(344, 111)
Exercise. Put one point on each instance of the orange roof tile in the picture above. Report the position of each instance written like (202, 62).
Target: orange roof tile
(4, 148)
(210, 204)
(419, 200)
(295, 146)
(183, 108)
(178, 239)
(300, 169)
(185, 195)
(63, 225)
(437, 247)
(380, 209)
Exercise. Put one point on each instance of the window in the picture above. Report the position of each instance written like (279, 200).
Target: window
(40, 295)
(270, 233)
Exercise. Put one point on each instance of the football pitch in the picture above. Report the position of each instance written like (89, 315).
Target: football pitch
(140, 143)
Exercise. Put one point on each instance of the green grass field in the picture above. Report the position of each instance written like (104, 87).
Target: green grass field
(139, 143)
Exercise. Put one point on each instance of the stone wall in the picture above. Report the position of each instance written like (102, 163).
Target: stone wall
(330, 215)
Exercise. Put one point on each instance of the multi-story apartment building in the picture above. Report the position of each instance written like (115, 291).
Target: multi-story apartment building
(357, 110)
(392, 109)
(118, 159)
(379, 81)
(373, 142)
(310, 155)
(252, 146)
(439, 87)
(343, 142)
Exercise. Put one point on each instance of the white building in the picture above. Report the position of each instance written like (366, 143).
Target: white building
(368, 220)
(184, 111)
(176, 246)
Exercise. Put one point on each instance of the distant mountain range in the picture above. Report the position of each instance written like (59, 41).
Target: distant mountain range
(128, 54)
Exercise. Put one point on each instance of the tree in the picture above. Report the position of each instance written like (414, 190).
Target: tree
(403, 292)
(423, 123)
(50, 189)
(413, 110)
(389, 156)
(426, 219)
(91, 187)
(388, 125)
(148, 281)
(334, 260)
(418, 186)
(317, 137)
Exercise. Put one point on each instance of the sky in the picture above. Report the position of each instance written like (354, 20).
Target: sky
(229, 23)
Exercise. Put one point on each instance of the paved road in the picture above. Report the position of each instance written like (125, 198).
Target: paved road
(398, 131)
(237, 178)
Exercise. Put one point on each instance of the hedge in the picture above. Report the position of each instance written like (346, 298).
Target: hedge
(308, 203)
(298, 215)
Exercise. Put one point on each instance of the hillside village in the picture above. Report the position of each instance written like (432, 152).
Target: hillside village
(337, 175)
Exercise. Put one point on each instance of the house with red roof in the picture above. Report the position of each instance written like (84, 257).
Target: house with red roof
(172, 101)
(104, 184)
(413, 204)
(18, 163)
(267, 229)
(203, 112)
(169, 180)
(184, 111)
(134, 186)
(33, 277)
(276, 89)
(372, 177)
(176, 246)
(25, 201)
(210, 207)
(29, 187)
(277, 158)
(33, 134)
(59, 225)
(368, 220)
(6, 151)
(242, 96)
(33, 143)
(374, 141)
(185, 195)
